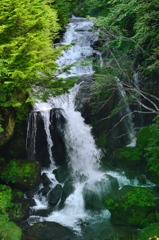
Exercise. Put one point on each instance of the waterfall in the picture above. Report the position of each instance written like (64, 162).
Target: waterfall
(128, 120)
(79, 158)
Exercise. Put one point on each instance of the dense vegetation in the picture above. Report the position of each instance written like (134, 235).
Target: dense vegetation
(128, 37)
(28, 30)
(129, 34)
(28, 57)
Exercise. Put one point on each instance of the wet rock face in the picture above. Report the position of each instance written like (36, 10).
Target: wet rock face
(57, 128)
(8, 124)
(48, 231)
(37, 134)
(41, 148)
(55, 195)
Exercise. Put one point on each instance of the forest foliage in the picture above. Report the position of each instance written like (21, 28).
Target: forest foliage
(28, 30)
(129, 36)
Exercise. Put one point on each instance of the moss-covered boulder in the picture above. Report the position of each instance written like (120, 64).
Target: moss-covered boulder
(22, 174)
(13, 206)
(132, 206)
(128, 158)
(153, 176)
(48, 231)
(9, 231)
(151, 232)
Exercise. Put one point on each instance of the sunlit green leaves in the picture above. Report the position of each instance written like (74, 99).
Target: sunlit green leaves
(27, 31)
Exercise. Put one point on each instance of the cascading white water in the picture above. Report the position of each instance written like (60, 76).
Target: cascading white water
(128, 121)
(78, 32)
(83, 155)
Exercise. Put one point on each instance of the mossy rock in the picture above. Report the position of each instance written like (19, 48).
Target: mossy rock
(22, 174)
(9, 231)
(132, 206)
(8, 124)
(128, 158)
(12, 207)
(48, 231)
(153, 176)
(143, 138)
(150, 232)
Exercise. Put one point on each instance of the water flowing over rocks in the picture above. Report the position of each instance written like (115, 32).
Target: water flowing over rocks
(75, 194)
(95, 193)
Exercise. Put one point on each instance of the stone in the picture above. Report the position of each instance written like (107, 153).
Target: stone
(44, 191)
(22, 174)
(48, 231)
(61, 173)
(57, 128)
(41, 147)
(45, 180)
(68, 188)
(131, 206)
(55, 195)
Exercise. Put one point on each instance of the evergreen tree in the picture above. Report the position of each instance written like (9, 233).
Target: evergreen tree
(27, 31)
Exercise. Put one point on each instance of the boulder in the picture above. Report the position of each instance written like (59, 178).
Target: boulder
(153, 176)
(45, 180)
(22, 174)
(48, 231)
(41, 146)
(19, 211)
(44, 191)
(57, 128)
(9, 230)
(55, 195)
(132, 206)
(68, 188)
(61, 173)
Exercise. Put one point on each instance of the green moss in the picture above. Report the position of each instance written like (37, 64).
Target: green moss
(9, 231)
(101, 141)
(134, 208)
(21, 173)
(143, 138)
(131, 153)
(141, 197)
(149, 232)
(5, 201)
(8, 204)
